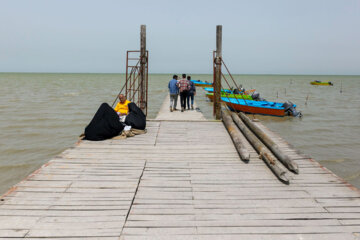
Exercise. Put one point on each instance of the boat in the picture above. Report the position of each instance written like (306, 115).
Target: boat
(210, 90)
(248, 92)
(230, 95)
(261, 107)
(199, 83)
(321, 83)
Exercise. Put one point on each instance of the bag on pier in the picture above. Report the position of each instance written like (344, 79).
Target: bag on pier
(135, 118)
(104, 125)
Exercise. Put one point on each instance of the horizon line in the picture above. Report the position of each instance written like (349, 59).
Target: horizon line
(273, 74)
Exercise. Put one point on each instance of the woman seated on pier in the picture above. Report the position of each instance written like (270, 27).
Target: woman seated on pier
(104, 125)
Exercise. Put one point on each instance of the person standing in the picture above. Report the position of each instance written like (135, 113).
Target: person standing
(184, 87)
(191, 94)
(174, 92)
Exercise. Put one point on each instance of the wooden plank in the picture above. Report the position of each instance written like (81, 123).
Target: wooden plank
(153, 213)
(84, 233)
(229, 223)
(18, 233)
(329, 236)
(277, 230)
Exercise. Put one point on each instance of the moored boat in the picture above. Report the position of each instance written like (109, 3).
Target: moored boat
(248, 92)
(230, 95)
(261, 107)
(321, 83)
(211, 89)
(199, 83)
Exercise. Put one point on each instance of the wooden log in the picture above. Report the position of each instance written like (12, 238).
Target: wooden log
(275, 149)
(143, 83)
(235, 136)
(264, 153)
(217, 80)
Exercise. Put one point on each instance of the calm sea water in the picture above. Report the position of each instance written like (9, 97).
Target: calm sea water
(43, 114)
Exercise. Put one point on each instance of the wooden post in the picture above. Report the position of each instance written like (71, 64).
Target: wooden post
(143, 60)
(217, 82)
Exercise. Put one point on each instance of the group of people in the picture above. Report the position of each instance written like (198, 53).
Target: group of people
(108, 122)
(183, 87)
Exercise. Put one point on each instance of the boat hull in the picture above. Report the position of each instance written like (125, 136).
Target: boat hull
(204, 85)
(321, 83)
(201, 84)
(211, 89)
(255, 107)
(224, 95)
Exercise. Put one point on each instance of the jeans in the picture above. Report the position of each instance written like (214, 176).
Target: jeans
(190, 95)
(183, 96)
(173, 100)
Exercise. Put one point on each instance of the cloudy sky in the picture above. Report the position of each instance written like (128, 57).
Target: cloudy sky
(259, 36)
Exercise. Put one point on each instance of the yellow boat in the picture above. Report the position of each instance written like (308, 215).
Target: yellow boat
(321, 83)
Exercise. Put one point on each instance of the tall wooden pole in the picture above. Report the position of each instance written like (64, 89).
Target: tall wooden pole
(217, 82)
(142, 89)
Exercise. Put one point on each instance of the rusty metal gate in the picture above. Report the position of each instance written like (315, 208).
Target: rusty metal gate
(136, 83)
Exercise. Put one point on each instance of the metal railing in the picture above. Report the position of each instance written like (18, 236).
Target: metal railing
(132, 89)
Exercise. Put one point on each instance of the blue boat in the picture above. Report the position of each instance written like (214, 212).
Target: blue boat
(261, 107)
(201, 83)
(210, 89)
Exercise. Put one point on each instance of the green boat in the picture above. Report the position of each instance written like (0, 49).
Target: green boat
(227, 95)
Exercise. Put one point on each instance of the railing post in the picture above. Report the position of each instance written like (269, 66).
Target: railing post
(126, 76)
(143, 59)
(217, 82)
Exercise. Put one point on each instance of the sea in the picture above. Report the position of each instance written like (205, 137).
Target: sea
(42, 114)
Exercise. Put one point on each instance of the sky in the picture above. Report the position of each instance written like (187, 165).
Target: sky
(259, 36)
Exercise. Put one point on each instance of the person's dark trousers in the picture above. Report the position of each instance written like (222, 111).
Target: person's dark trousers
(183, 96)
(190, 96)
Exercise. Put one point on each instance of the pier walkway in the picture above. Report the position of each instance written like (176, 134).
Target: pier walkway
(181, 180)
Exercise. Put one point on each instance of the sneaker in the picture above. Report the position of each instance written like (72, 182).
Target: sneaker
(171, 109)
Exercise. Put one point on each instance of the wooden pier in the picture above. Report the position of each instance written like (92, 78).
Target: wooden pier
(182, 180)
